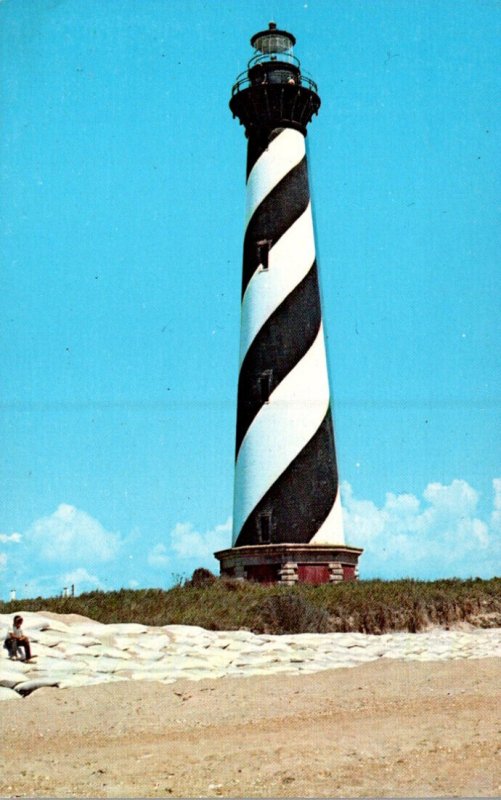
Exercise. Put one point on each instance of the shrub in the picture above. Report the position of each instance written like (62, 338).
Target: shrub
(202, 577)
(291, 613)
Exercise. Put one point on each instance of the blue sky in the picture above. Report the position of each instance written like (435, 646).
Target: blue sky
(122, 191)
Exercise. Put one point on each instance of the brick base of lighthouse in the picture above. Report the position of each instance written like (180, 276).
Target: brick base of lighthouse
(290, 563)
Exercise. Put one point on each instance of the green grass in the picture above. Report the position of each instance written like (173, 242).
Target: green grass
(366, 606)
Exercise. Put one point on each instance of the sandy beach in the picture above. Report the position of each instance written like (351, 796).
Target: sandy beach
(384, 728)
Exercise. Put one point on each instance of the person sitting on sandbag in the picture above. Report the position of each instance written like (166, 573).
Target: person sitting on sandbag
(16, 639)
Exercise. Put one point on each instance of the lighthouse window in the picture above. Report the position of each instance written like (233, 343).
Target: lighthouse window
(264, 382)
(263, 249)
(264, 526)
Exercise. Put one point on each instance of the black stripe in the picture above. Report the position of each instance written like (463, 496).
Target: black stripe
(302, 497)
(282, 341)
(278, 211)
(258, 143)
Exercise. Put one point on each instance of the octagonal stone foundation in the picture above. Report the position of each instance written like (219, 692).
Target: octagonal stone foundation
(290, 563)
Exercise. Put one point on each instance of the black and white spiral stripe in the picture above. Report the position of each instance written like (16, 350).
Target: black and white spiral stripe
(285, 456)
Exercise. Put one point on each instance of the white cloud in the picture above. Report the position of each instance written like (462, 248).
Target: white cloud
(10, 537)
(81, 579)
(157, 556)
(362, 517)
(444, 537)
(72, 536)
(189, 543)
(458, 499)
(496, 514)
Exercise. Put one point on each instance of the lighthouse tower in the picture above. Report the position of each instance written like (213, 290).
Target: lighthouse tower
(287, 520)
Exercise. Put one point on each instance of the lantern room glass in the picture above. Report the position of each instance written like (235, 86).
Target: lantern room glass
(274, 42)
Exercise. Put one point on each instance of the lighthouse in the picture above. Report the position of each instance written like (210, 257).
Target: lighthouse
(287, 518)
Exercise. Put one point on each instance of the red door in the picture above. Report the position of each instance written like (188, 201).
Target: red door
(348, 572)
(313, 573)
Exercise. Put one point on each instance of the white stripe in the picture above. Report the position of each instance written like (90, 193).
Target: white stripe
(281, 155)
(280, 430)
(331, 530)
(289, 262)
